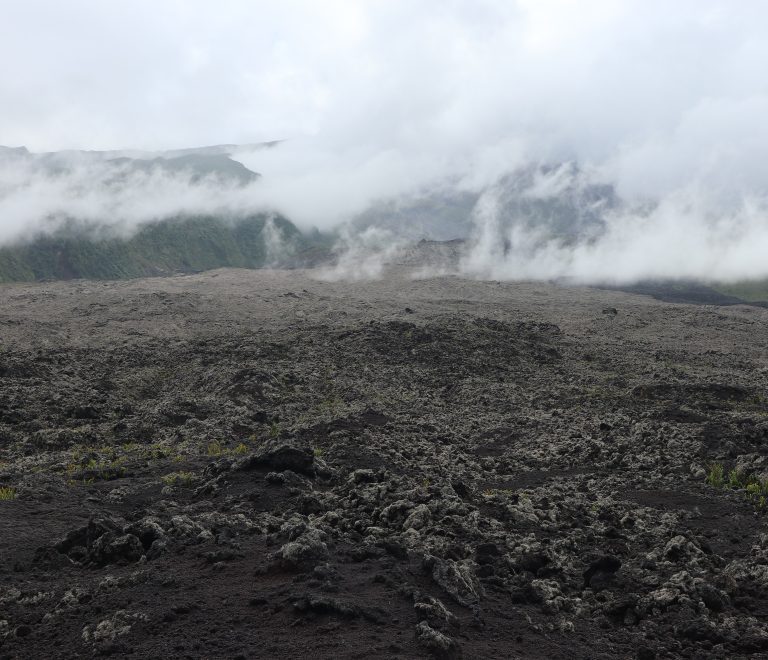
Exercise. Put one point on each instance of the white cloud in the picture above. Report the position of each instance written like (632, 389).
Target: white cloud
(382, 97)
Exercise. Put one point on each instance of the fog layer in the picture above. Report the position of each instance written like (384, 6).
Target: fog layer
(388, 105)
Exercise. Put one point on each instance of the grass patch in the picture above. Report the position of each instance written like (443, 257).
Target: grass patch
(7, 493)
(274, 430)
(215, 448)
(751, 290)
(154, 452)
(178, 478)
(493, 492)
(715, 475)
(97, 470)
(755, 489)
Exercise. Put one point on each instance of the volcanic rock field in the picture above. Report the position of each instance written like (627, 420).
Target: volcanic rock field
(264, 464)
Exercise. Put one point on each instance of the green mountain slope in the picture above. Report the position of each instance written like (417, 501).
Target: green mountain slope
(751, 290)
(178, 245)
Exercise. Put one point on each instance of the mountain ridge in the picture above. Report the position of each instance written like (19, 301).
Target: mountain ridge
(175, 245)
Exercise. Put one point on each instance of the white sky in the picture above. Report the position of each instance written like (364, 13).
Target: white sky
(380, 97)
(592, 77)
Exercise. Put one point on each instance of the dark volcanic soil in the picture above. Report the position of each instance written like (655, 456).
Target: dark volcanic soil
(248, 464)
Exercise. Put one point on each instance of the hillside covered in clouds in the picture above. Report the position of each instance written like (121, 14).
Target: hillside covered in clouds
(195, 163)
(89, 221)
(178, 245)
(131, 213)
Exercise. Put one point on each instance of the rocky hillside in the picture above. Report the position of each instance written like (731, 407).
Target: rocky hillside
(558, 199)
(83, 214)
(171, 246)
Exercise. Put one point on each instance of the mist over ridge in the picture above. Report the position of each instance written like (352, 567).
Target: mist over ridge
(599, 143)
(539, 221)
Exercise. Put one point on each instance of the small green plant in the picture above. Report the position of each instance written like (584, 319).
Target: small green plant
(7, 493)
(493, 492)
(734, 479)
(756, 490)
(214, 448)
(91, 469)
(178, 478)
(318, 452)
(85, 481)
(715, 475)
(753, 489)
(274, 430)
(153, 451)
(241, 449)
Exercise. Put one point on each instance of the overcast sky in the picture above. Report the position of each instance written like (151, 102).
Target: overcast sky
(379, 98)
(680, 81)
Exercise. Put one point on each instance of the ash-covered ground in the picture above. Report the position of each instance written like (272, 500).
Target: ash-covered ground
(258, 464)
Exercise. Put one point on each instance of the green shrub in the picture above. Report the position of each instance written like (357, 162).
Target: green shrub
(715, 475)
(734, 479)
(178, 478)
(215, 448)
(7, 493)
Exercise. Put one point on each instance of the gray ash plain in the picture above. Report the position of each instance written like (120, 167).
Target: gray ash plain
(263, 464)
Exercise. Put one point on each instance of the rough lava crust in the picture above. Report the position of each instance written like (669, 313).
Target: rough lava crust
(243, 464)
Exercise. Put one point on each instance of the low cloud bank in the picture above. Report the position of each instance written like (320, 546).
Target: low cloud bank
(558, 221)
(427, 119)
(116, 196)
(682, 236)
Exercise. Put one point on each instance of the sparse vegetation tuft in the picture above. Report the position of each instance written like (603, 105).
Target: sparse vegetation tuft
(755, 489)
(715, 475)
(493, 492)
(88, 470)
(734, 479)
(7, 493)
(215, 448)
(178, 478)
(274, 430)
